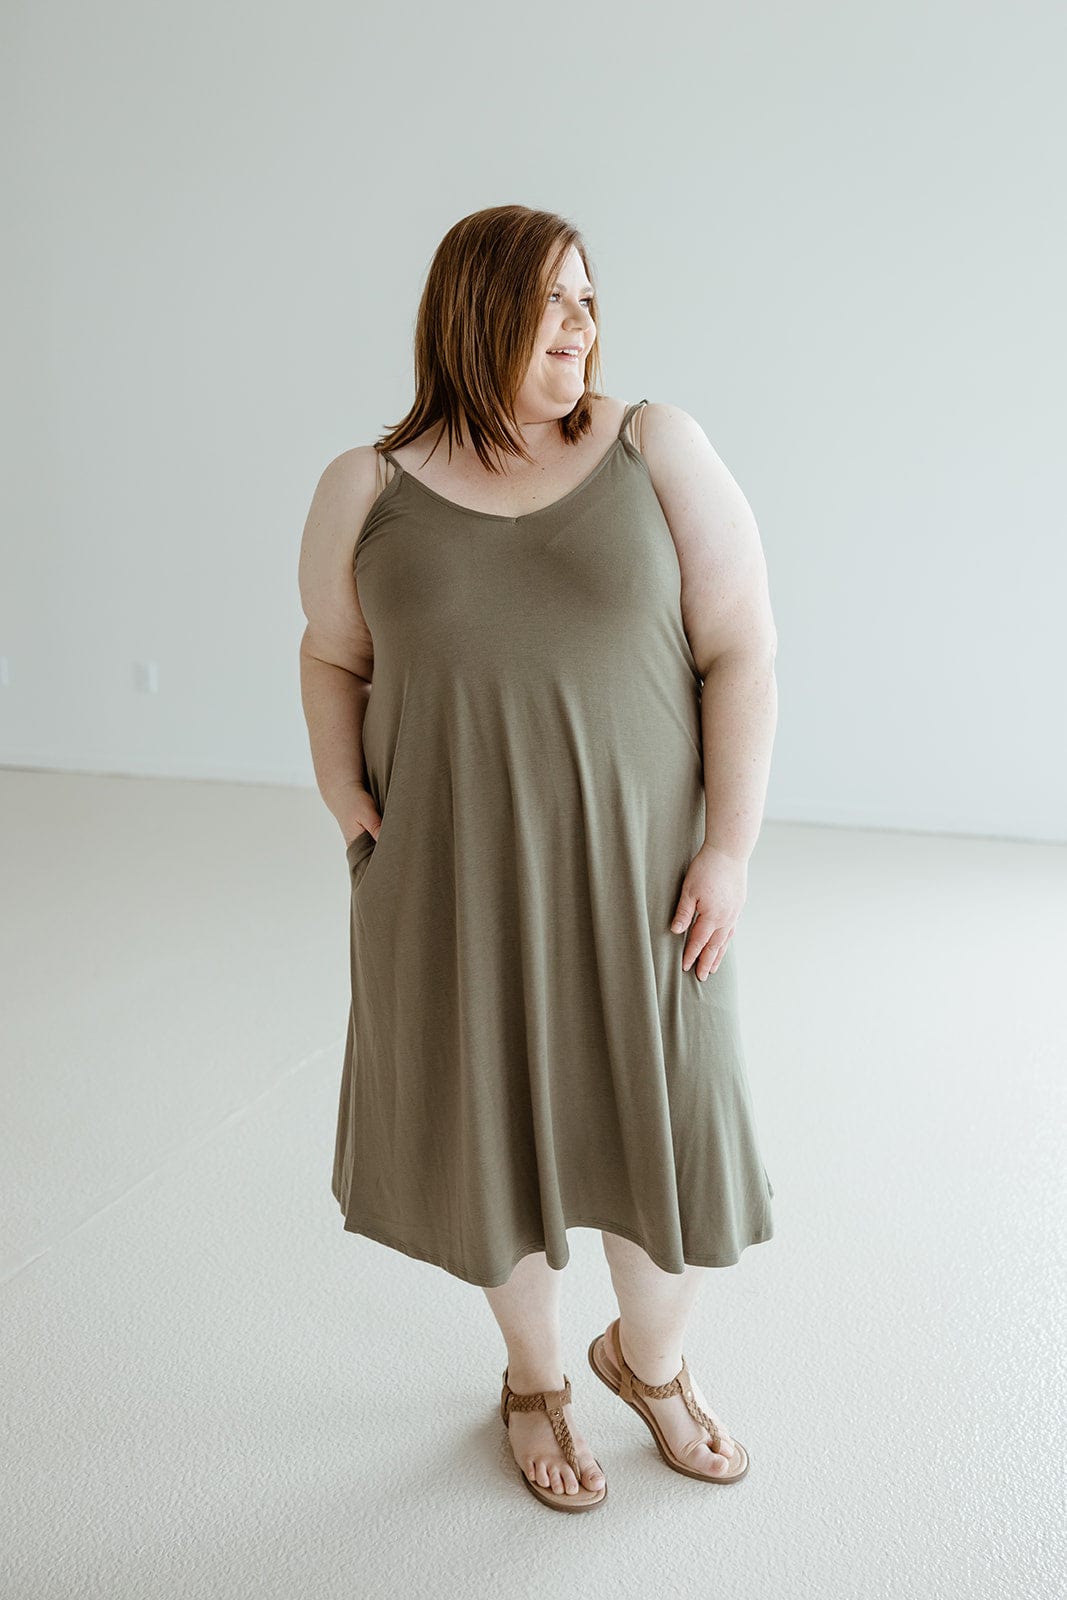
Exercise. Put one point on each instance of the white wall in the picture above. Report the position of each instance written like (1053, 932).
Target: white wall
(829, 231)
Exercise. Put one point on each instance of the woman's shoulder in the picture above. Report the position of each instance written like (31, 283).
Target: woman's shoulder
(357, 474)
(352, 469)
(348, 486)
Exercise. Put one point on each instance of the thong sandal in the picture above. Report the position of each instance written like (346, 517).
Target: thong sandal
(552, 1401)
(609, 1364)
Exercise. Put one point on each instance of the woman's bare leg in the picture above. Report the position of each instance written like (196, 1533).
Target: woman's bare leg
(527, 1310)
(654, 1310)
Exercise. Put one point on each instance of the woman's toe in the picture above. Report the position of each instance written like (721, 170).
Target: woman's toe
(700, 1455)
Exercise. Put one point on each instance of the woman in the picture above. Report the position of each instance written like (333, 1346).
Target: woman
(548, 800)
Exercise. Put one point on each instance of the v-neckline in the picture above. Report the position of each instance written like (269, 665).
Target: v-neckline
(525, 516)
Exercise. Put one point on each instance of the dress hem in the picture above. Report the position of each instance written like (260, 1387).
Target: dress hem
(379, 1236)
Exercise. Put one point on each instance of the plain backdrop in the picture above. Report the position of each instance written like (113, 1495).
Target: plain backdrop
(828, 231)
(831, 232)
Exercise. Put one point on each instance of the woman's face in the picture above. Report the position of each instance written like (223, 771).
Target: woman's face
(554, 383)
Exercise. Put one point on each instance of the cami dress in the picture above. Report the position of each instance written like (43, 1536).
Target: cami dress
(524, 1052)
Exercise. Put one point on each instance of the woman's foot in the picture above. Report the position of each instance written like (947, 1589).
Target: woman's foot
(685, 1436)
(535, 1448)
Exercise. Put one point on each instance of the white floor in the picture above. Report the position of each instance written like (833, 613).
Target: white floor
(210, 1389)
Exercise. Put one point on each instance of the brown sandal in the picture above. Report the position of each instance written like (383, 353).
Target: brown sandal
(609, 1364)
(553, 1401)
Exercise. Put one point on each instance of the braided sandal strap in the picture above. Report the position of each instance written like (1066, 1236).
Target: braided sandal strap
(680, 1384)
(695, 1411)
(551, 1401)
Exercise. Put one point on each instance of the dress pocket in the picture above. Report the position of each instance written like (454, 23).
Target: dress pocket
(358, 853)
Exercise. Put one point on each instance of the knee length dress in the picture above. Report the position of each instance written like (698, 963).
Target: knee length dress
(524, 1052)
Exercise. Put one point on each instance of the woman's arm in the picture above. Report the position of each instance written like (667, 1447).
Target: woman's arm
(336, 651)
(726, 613)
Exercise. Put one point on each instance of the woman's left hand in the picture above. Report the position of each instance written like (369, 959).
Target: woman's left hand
(714, 892)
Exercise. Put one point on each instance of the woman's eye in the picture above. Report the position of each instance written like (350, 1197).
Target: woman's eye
(586, 299)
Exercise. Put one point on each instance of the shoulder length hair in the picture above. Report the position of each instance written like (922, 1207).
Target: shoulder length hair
(477, 324)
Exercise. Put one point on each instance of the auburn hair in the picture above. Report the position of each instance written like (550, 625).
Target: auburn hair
(477, 324)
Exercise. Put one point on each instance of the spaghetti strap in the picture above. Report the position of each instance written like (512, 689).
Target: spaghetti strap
(383, 474)
(624, 424)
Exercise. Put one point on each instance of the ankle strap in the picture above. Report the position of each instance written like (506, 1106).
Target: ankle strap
(542, 1400)
(630, 1380)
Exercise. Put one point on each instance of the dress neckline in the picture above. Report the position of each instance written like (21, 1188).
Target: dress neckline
(525, 516)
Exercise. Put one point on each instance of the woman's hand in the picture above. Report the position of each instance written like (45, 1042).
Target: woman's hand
(360, 816)
(715, 888)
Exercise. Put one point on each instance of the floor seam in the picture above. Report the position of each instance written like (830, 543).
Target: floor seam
(15, 1264)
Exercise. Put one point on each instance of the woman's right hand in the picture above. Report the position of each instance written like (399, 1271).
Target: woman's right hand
(363, 818)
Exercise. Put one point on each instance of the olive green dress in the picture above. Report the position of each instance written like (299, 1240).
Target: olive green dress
(524, 1052)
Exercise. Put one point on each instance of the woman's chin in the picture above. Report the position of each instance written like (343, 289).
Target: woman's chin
(569, 376)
